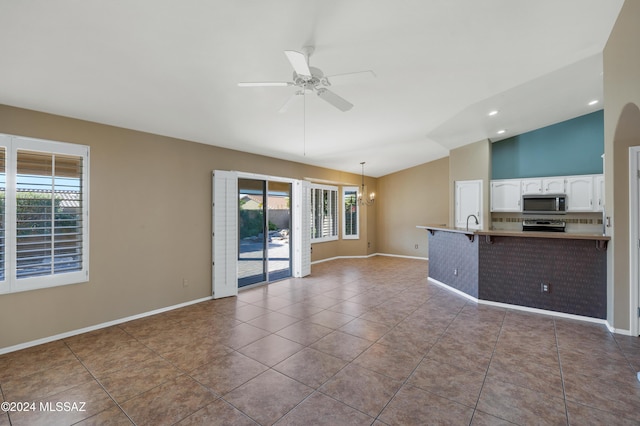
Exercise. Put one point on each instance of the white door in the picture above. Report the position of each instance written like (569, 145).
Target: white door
(225, 234)
(468, 199)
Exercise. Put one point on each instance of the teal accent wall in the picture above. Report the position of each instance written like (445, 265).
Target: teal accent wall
(572, 147)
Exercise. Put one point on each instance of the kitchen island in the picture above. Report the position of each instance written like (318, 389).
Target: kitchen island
(555, 271)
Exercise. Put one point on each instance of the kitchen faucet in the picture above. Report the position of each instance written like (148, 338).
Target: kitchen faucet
(472, 216)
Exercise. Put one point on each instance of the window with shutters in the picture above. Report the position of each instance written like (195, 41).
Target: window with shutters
(43, 214)
(350, 228)
(324, 213)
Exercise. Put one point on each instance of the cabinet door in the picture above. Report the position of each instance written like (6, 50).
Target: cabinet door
(580, 193)
(505, 196)
(468, 199)
(598, 186)
(531, 186)
(553, 185)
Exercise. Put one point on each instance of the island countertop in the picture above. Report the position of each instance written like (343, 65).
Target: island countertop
(515, 233)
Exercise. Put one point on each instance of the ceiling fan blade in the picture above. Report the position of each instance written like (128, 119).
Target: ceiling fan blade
(298, 62)
(291, 101)
(349, 77)
(265, 84)
(335, 100)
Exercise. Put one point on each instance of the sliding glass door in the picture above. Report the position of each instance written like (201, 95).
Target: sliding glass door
(264, 224)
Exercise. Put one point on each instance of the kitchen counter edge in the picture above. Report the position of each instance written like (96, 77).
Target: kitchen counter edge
(521, 234)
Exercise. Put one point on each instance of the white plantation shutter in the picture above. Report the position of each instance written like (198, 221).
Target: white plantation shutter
(225, 234)
(44, 214)
(324, 213)
(301, 227)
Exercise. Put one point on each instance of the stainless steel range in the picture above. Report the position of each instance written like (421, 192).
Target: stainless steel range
(544, 225)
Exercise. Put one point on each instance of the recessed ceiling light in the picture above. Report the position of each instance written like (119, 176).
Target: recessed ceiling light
(593, 102)
(501, 131)
(492, 113)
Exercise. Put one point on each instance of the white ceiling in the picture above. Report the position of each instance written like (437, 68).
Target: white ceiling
(172, 67)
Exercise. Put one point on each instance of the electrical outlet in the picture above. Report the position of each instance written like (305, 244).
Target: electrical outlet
(455, 272)
(185, 282)
(545, 288)
(416, 247)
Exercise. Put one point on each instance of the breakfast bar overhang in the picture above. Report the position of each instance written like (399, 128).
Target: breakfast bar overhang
(559, 272)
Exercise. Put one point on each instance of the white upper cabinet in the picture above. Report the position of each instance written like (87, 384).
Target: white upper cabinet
(598, 187)
(506, 195)
(585, 193)
(580, 193)
(554, 185)
(531, 186)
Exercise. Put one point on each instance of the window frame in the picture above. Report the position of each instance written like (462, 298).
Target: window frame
(331, 211)
(12, 144)
(354, 190)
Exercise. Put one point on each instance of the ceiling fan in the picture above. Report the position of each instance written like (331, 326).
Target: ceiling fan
(309, 79)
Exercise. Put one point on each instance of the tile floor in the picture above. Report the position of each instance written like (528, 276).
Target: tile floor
(360, 341)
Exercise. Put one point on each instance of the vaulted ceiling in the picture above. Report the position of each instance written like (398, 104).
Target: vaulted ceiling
(172, 67)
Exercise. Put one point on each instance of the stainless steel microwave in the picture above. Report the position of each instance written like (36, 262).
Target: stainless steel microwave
(544, 204)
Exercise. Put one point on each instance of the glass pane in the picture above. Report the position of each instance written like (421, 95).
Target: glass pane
(68, 214)
(279, 216)
(34, 208)
(251, 247)
(48, 214)
(350, 212)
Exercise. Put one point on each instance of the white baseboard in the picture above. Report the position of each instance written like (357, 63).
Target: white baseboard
(368, 256)
(97, 326)
(532, 310)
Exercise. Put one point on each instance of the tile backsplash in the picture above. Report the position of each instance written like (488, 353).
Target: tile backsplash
(576, 222)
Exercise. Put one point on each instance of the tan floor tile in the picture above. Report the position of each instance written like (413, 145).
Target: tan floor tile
(368, 330)
(227, 372)
(448, 381)
(40, 385)
(413, 406)
(271, 349)
(342, 345)
(273, 321)
(218, 413)
(304, 332)
(319, 410)
(111, 417)
(583, 415)
(83, 401)
(361, 389)
(35, 359)
(195, 354)
(241, 335)
(300, 310)
(168, 403)
(330, 319)
(389, 361)
(520, 405)
(268, 397)
(310, 367)
(137, 378)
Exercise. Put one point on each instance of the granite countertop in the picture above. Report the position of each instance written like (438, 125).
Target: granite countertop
(515, 233)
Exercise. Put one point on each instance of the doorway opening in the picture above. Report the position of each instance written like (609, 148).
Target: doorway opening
(264, 231)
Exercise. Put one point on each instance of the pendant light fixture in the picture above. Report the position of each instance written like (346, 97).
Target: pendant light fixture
(365, 198)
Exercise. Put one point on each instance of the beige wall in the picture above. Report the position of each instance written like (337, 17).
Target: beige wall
(471, 162)
(150, 224)
(415, 196)
(621, 93)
